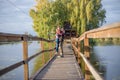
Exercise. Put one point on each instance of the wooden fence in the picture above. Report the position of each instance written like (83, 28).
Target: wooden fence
(6, 37)
(109, 31)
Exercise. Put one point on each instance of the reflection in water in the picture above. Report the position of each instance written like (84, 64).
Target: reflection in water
(37, 64)
(106, 60)
(100, 67)
(12, 53)
(39, 61)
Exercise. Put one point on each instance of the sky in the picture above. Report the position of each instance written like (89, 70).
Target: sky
(112, 8)
(14, 15)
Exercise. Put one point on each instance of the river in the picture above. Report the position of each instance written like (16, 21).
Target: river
(109, 60)
(108, 56)
(12, 53)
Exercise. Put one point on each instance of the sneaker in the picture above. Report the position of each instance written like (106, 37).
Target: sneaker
(58, 56)
(61, 54)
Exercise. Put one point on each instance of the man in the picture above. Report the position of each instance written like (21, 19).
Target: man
(62, 31)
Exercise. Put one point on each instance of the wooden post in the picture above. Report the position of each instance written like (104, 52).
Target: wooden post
(87, 55)
(76, 54)
(70, 34)
(42, 48)
(74, 44)
(79, 54)
(25, 57)
(50, 56)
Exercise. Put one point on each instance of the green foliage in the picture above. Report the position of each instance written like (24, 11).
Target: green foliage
(83, 15)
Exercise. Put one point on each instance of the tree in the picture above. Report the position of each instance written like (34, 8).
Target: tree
(83, 15)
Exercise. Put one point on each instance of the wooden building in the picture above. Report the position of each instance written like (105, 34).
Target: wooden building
(69, 32)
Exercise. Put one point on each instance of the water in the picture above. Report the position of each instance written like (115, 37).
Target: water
(108, 57)
(12, 53)
(109, 60)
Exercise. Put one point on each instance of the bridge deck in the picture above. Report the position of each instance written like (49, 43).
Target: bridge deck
(65, 68)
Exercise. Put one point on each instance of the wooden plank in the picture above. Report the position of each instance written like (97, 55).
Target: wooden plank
(65, 68)
(108, 31)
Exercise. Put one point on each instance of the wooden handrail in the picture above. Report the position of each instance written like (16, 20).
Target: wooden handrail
(89, 65)
(109, 31)
(6, 37)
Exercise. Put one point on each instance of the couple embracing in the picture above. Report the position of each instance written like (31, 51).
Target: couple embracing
(59, 41)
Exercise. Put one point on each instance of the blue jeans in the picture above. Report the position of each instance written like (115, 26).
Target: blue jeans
(57, 44)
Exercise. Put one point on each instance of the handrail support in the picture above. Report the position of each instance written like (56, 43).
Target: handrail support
(25, 57)
(87, 55)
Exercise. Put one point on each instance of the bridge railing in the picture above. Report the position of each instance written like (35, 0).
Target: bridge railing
(109, 31)
(6, 37)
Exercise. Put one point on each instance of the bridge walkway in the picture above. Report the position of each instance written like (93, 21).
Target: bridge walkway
(63, 68)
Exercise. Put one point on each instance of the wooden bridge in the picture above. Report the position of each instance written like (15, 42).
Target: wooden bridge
(67, 67)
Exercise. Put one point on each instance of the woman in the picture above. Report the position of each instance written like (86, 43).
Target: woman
(58, 35)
